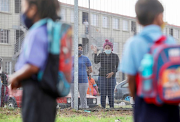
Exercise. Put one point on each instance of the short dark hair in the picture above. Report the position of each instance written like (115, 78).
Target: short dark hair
(46, 8)
(80, 45)
(147, 11)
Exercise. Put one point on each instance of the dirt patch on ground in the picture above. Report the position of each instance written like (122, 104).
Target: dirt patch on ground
(9, 112)
(94, 112)
(98, 112)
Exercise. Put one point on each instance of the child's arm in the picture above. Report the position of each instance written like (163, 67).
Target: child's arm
(95, 85)
(25, 72)
(132, 85)
(96, 90)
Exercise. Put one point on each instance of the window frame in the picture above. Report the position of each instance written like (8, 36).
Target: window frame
(84, 17)
(4, 33)
(17, 6)
(63, 14)
(171, 31)
(124, 26)
(3, 5)
(103, 22)
(72, 16)
(94, 22)
(8, 67)
(115, 23)
(176, 33)
(133, 29)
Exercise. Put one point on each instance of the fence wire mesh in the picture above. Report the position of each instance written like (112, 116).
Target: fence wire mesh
(104, 20)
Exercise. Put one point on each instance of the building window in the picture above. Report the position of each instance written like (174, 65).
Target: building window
(94, 20)
(17, 6)
(171, 32)
(115, 23)
(176, 33)
(8, 67)
(4, 5)
(4, 36)
(85, 17)
(125, 25)
(105, 21)
(72, 16)
(63, 14)
(133, 26)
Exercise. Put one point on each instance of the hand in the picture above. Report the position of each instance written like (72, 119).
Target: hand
(94, 49)
(15, 83)
(109, 75)
(98, 94)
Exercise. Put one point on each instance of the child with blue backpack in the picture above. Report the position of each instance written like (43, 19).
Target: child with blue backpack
(135, 59)
(37, 105)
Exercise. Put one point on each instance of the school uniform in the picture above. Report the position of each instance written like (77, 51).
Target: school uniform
(133, 53)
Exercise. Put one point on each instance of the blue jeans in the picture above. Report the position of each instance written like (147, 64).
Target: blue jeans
(107, 86)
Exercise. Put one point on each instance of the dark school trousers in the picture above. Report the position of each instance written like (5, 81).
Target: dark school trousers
(37, 106)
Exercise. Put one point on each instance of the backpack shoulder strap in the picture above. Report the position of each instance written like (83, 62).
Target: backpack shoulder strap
(160, 41)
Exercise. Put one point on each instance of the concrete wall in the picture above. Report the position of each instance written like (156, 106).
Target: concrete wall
(9, 21)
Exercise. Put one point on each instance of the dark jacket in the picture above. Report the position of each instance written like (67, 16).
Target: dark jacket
(109, 63)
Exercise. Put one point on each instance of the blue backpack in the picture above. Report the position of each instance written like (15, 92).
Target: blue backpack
(164, 82)
(55, 79)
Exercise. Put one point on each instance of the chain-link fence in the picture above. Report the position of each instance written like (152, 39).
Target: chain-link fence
(95, 26)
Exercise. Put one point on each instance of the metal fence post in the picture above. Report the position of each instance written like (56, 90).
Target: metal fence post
(76, 30)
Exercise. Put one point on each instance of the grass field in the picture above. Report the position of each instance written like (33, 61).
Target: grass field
(69, 115)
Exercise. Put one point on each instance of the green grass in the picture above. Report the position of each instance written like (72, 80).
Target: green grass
(93, 119)
(10, 118)
(73, 119)
(13, 115)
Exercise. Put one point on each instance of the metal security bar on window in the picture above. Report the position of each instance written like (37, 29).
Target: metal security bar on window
(17, 6)
(4, 36)
(8, 67)
(18, 44)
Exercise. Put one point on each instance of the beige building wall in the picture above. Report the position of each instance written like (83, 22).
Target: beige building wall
(9, 21)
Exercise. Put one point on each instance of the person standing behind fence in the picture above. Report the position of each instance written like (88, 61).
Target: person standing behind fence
(37, 106)
(107, 72)
(86, 24)
(83, 64)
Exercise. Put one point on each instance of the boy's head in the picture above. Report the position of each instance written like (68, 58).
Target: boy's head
(149, 12)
